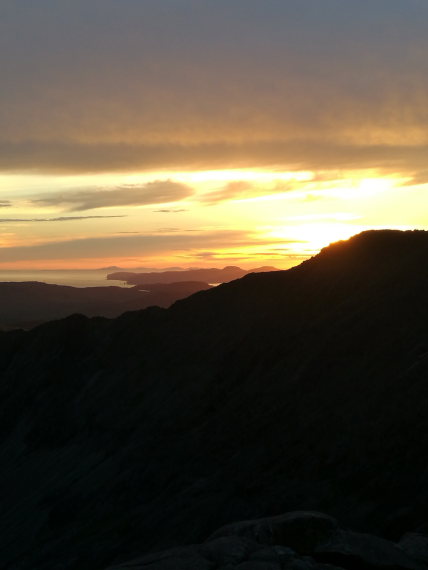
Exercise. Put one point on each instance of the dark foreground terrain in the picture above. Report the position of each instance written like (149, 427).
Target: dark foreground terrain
(304, 389)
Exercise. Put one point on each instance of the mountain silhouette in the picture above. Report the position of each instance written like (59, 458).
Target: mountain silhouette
(27, 304)
(284, 391)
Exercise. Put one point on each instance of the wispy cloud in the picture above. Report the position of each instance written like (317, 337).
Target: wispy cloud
(170, 210)
(286, 80)
(244, 189)
(133, 245)
(60, 219)
(312, 154)
(231, 191)
(5, 204)
(156, 192)
(417, 179)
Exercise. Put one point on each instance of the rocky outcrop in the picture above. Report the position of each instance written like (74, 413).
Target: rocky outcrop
(294, 541)
(302, 531)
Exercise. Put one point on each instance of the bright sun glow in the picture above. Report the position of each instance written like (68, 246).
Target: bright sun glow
(359, 188)
(247, 217)
(314, 236)
(310, 238)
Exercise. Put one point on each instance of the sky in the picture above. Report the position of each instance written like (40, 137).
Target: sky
(201, 133)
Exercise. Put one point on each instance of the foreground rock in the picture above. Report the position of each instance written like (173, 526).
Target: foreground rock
(416, 545)
(294, 541)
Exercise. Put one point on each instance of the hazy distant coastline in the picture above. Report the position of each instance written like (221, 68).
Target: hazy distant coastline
(103, 277)
(71, 277)
(28, 304)
(31, 297)
(211, 275)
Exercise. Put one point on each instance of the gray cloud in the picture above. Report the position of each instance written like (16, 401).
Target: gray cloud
(5, 204)
(156, 192)
(290, 155)
(417, 179)
(146, 85)
(60, 219)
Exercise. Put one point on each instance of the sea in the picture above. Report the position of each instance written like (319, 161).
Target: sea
(73, 277)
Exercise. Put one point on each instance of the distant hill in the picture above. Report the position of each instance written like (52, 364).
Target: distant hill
(291, 390)
(28, 304)
(212, 275)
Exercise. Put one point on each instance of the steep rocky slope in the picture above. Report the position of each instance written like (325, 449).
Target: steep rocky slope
(303, 389)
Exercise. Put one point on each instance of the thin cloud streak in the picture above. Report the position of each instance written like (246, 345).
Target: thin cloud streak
(245, 190)
(232, 191)
(74, 158)
(130, 245)
(156, 192)
(60, 219)
(169, 211)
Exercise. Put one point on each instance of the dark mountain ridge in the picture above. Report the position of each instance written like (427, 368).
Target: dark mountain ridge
(27, 304)
(301, 389)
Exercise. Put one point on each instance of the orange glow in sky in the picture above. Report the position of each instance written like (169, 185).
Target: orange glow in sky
(244, 132)
(241, 217)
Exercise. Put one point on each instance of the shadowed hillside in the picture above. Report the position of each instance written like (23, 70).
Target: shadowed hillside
(303, 389)
(28, 304)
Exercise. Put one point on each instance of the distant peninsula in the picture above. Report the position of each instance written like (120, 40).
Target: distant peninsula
(211, 275)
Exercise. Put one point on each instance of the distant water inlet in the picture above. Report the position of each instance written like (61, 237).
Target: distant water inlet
(72, 277)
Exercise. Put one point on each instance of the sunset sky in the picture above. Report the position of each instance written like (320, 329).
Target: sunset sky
(208, 132)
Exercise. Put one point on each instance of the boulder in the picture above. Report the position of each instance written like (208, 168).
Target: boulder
(258, 565)
(228, 549)
(294, 541)
(364, 552)
(301, 530)
(273, 554)
(416, 545)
